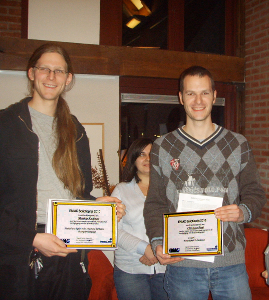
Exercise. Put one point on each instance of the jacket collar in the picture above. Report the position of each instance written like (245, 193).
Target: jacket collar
(22, 110)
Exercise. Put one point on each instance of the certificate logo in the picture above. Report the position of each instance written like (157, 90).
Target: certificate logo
(175, 163)
(212, 249)
(109, 241)
(174, 250)
(66, 241)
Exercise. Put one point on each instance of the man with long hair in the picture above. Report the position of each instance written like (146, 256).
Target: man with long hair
(44, 153)
(202, 158)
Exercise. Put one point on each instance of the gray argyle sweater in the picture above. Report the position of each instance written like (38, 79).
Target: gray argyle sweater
(220, 166)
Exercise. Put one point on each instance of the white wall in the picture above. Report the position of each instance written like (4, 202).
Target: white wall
(75, 21)
(13, 87)
(95, 99)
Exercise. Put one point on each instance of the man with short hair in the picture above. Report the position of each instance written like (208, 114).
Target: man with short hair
(203, 158)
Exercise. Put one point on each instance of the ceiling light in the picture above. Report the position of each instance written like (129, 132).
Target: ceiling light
(137, 3)
(133, 23)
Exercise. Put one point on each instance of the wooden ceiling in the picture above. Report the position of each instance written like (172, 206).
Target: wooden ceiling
(125, 61)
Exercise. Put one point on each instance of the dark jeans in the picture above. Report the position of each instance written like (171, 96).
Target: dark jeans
(139, 286)
(225, 283)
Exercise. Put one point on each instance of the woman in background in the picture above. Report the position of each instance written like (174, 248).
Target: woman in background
(137, 273)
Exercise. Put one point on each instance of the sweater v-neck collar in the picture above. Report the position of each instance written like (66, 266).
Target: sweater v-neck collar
(197, 143)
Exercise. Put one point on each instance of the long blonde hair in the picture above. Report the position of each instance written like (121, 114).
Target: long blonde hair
(65, 160)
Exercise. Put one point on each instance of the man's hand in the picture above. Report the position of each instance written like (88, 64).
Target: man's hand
(230, 213)
(120, 206)
(166, 259)
(145, 261)
(148, 258)
(49, 245)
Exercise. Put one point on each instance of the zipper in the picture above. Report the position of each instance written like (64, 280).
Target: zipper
(26, 125)
(80, 137)
(38, 152)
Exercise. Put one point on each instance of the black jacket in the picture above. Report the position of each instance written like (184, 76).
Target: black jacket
(18, 180)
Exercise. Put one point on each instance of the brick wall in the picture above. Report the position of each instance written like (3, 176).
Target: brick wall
(10, 18)
(257, 91)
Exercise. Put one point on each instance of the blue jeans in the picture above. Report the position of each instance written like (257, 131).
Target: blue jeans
(139, 286)
(182, 283)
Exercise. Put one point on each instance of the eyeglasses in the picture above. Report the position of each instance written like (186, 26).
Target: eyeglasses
(46, 71)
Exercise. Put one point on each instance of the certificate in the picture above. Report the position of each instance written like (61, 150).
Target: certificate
(83, 224)
(193, 202)
(192, 233)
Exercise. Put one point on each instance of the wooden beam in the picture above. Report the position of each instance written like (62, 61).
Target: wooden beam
(240, 41)
(175, 34)
(125, 61)
(111, 22)
(24, 18)
(230, 26)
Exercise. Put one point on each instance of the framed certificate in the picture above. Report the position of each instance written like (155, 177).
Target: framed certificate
(83, 224)
(193, 233)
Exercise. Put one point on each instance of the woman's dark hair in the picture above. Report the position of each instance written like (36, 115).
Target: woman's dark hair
(130, 170)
